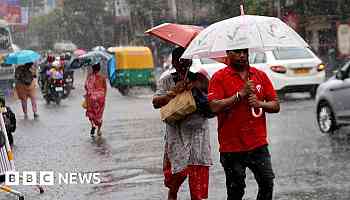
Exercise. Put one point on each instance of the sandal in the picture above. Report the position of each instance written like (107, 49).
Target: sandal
(99, 133)
(92, 132)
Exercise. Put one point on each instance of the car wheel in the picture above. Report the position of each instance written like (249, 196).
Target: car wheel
(325, 118)
(124, 90)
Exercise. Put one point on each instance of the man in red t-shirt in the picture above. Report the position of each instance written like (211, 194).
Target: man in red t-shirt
(235, 94)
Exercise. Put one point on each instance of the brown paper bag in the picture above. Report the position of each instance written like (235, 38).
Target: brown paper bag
(179, 107)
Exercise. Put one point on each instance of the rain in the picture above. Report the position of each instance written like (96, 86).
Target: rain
(304, 51)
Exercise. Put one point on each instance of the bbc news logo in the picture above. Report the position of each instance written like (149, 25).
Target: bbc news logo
(50, 178)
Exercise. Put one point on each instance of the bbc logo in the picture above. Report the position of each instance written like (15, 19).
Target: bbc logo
(48, 178)
(29, 178)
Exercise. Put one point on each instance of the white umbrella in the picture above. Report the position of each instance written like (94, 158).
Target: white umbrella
(242, 32)
(245, 31)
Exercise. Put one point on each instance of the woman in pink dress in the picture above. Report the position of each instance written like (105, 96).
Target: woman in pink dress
(96, 89)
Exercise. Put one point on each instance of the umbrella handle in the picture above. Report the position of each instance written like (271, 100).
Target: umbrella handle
(242, 7)
(257, 115)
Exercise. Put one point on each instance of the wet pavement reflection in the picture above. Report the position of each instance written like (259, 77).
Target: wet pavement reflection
(307, 163)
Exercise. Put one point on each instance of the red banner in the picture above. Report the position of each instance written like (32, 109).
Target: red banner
(13, 14)
(10, 10)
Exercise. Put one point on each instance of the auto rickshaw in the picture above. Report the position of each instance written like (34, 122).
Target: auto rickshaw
(133, 66)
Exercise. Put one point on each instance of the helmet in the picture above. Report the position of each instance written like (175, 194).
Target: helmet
(68, 56)
(56, 64)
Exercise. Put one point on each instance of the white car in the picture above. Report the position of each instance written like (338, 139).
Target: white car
(290, 69)
(209, 65)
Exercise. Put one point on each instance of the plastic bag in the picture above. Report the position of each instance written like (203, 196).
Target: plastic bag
(179, 107)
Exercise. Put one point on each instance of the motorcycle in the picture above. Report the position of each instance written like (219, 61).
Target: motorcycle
(68, 78)
(55, 91)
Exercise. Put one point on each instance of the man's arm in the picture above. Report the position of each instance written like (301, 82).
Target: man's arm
(165, 96)
(271, 106)
(219, 105)
(162, 100)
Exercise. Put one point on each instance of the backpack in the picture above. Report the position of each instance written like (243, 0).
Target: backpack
(10, 120)
(202, 103)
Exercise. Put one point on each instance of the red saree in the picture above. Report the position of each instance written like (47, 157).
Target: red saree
(96, 89)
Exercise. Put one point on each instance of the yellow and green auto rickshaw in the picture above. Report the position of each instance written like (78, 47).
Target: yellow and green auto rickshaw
(133, 66)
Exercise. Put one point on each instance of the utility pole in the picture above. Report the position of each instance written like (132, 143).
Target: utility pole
(173, 9)
(278, 7)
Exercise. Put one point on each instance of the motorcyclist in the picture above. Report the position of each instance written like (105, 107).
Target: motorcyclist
(56, 71)
(44, 68)
(67, 71)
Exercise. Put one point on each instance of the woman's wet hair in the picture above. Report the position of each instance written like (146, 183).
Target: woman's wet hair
(96, 67)
(28, 64)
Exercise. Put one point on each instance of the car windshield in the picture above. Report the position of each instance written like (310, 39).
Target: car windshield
(208, 61)
(291, 53)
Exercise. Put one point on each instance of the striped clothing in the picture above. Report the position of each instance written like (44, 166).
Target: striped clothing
(5, 164)
(186, 142)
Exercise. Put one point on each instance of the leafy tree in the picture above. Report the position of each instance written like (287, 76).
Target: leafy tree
(85, 22)
(47, 28)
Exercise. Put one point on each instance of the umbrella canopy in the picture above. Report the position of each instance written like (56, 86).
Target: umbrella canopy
(65, 46)
(246, 31)
(177, 34)
(111, 70)
(111, 50)
(90, 58)
(22, 57)
(96, 56)
(98, 48)
(79, 52)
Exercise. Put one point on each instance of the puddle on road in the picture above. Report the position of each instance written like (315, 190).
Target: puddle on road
(319, 193)
(135, 149)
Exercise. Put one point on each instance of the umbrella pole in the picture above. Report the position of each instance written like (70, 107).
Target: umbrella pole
(242, 7)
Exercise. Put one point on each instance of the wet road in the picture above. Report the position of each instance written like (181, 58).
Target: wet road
(308, 165)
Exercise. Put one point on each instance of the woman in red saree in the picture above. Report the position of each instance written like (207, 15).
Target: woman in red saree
(96, 89)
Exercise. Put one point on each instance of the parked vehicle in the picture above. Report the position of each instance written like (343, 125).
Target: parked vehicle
(6, 46)
(209, 65)
(133, 67)
(332, 100)
(55, 91)
(290, 69)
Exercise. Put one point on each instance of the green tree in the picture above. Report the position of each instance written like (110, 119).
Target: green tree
(88, 22)
(47, 28)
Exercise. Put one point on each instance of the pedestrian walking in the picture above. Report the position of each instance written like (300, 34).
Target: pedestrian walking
(187, 142)
(233, 92)
(25, 79)
(95, 97)
(9, 119)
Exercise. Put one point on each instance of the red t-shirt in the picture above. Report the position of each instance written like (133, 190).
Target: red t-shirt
(238, 129)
